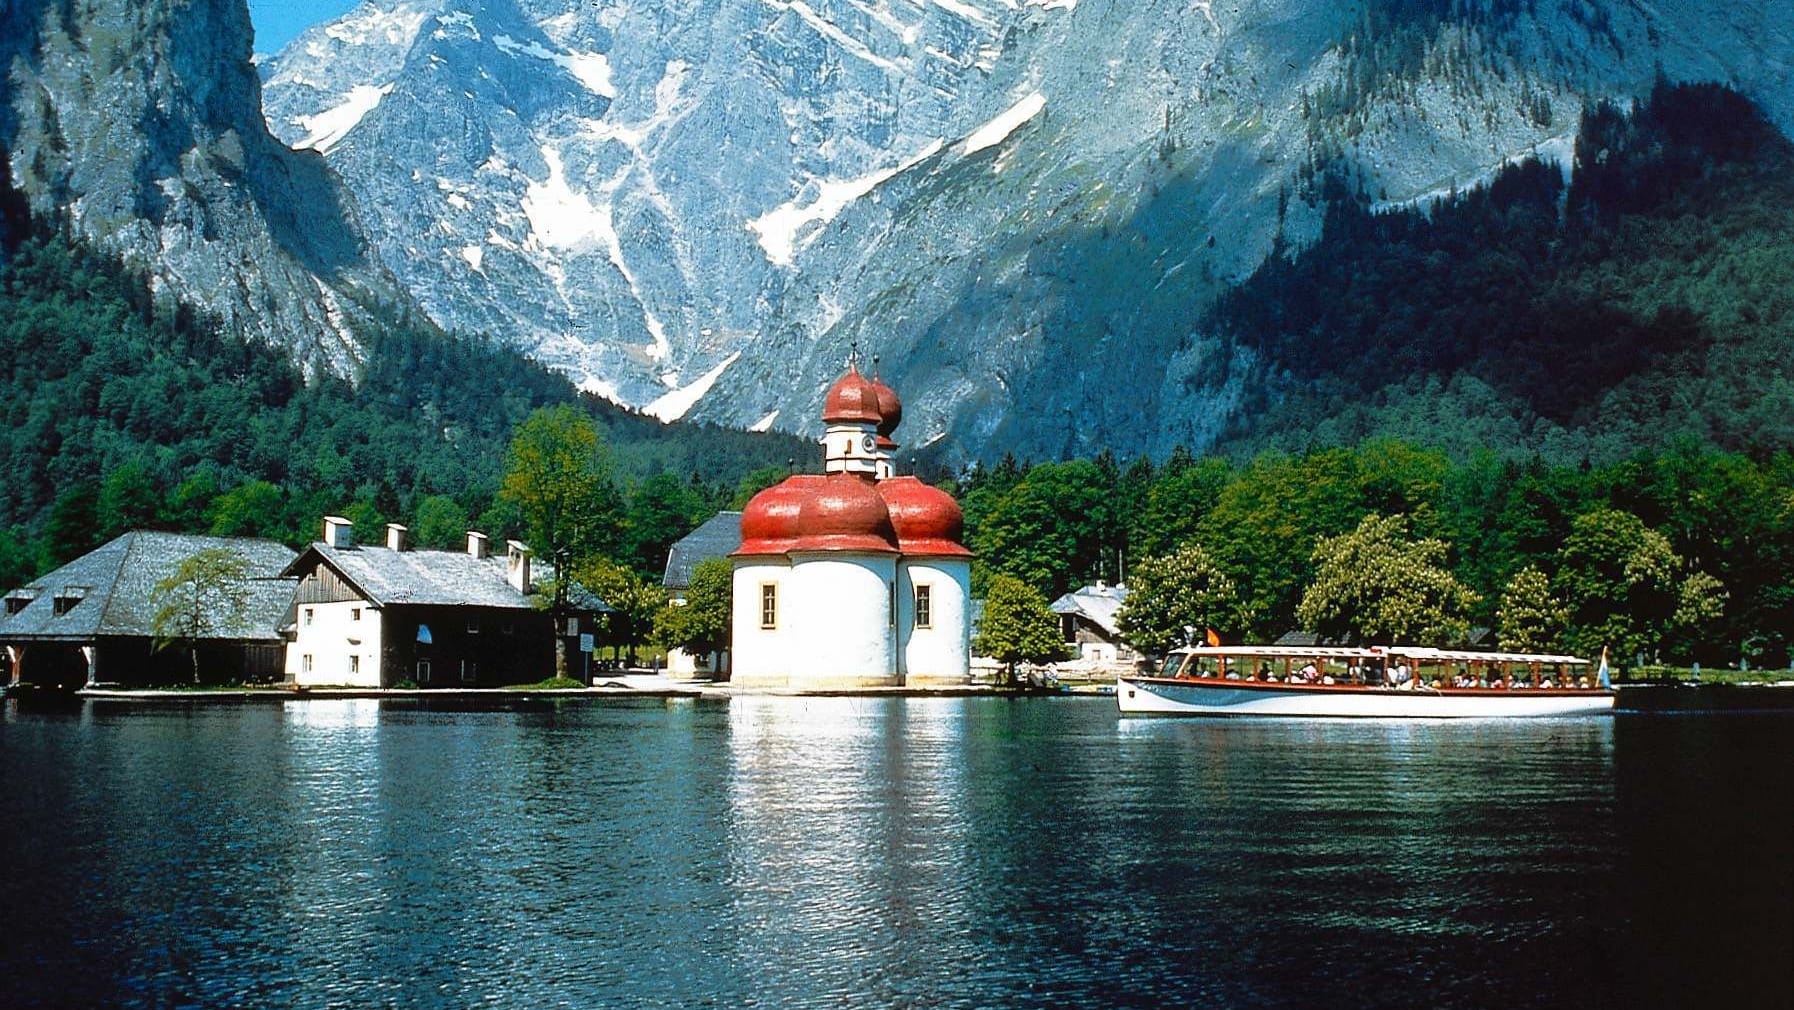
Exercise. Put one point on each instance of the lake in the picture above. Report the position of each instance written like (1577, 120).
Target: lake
(891, 852)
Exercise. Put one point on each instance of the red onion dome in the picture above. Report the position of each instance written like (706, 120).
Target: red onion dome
(928, 521)
(853, 399)
(844, 512)
(769, 523)
(890, 409)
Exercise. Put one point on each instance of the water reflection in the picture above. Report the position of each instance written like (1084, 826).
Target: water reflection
(888, 852)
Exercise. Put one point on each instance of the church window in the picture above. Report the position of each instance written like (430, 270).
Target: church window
(924, 607)
(354, 664)
(769, 605)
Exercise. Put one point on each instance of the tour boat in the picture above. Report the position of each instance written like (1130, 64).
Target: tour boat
(1403, 682)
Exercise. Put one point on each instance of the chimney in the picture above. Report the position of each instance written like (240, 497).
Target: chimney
(476, 545)
(517, 566)
(397, 538)
(339, 532)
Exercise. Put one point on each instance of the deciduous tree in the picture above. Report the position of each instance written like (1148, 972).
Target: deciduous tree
(1531, 617)
(558, 476)
(635, 600)
(1628, 589)
(1183, 589)
(700, 623)
(1375, 584)
(207, 593)
(1018, 626)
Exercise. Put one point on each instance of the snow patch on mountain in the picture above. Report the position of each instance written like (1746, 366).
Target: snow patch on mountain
(782, 230)
(590, 69)
(674, 405)
(998, 130)
(328, 128)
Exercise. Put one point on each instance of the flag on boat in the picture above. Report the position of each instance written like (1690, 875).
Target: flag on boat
(1601, 674)
(1210, 636)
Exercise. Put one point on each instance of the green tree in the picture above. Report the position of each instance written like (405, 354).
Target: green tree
(1183, 589)
(129, 500)
(1047, 530)
(1627, 588)
(661, 510)
(1531, 617)
(1018, 626)
(206, 594)
(1177, 502)
(1375, 584)
(1265, 525)
(252, 509)
(700, 623)
(74, 525)
(636, 601)
(558, 476)
(440, 521)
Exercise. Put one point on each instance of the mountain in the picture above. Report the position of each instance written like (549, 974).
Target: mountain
(138, 126)
(1021, 207)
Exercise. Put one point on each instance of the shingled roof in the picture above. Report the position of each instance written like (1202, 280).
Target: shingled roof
(719, 537)
(114, 583)
(1099, 604)
(433, 578)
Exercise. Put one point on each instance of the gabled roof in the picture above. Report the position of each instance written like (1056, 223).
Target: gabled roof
(718, 537)
(432, 578)
(1099, 604)
(115, 583)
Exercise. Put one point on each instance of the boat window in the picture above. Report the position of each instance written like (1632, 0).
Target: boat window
(1203, 666)
(1173, 664)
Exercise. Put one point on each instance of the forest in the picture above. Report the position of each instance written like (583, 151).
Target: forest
(1611, 553)
(126, 411)
(1650, 298)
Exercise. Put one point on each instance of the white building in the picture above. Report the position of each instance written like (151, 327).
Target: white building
(1089, 619)
(855, 577)
(376, 617)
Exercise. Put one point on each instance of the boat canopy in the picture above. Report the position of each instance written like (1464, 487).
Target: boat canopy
(1284, 651)
(1421, 654)
(1414, 653)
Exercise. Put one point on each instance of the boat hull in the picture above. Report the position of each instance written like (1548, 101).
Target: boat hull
(1164, 696)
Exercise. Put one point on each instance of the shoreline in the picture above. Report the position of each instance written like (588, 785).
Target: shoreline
(1646, 698)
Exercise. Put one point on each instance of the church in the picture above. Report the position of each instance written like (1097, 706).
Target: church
(856, 577)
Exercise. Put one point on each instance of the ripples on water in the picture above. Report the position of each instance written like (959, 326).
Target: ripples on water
(890, 852)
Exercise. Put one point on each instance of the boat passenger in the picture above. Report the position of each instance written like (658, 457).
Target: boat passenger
(1308, 673)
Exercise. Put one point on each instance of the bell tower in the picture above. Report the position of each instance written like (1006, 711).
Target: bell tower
(851, 418)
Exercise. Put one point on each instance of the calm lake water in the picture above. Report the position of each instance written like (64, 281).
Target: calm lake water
(890, 852)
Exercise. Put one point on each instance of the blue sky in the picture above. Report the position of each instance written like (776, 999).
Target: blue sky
(277, 21)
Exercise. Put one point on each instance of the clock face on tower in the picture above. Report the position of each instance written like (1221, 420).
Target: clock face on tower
(868, 443)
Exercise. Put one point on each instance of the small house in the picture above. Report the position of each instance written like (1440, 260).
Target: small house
(1088, 624)
(384, 616)
(93, 620)
(718, 537)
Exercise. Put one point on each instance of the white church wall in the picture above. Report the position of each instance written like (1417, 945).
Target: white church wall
(939, 654)
(843, 628)
(760, 654)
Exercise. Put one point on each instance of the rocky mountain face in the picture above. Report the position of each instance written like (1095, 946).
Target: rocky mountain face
(1020, 206)
(137, 124)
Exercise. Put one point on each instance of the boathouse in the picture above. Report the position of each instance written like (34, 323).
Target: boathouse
(93, 620)
(382, 616)
(854, 577)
